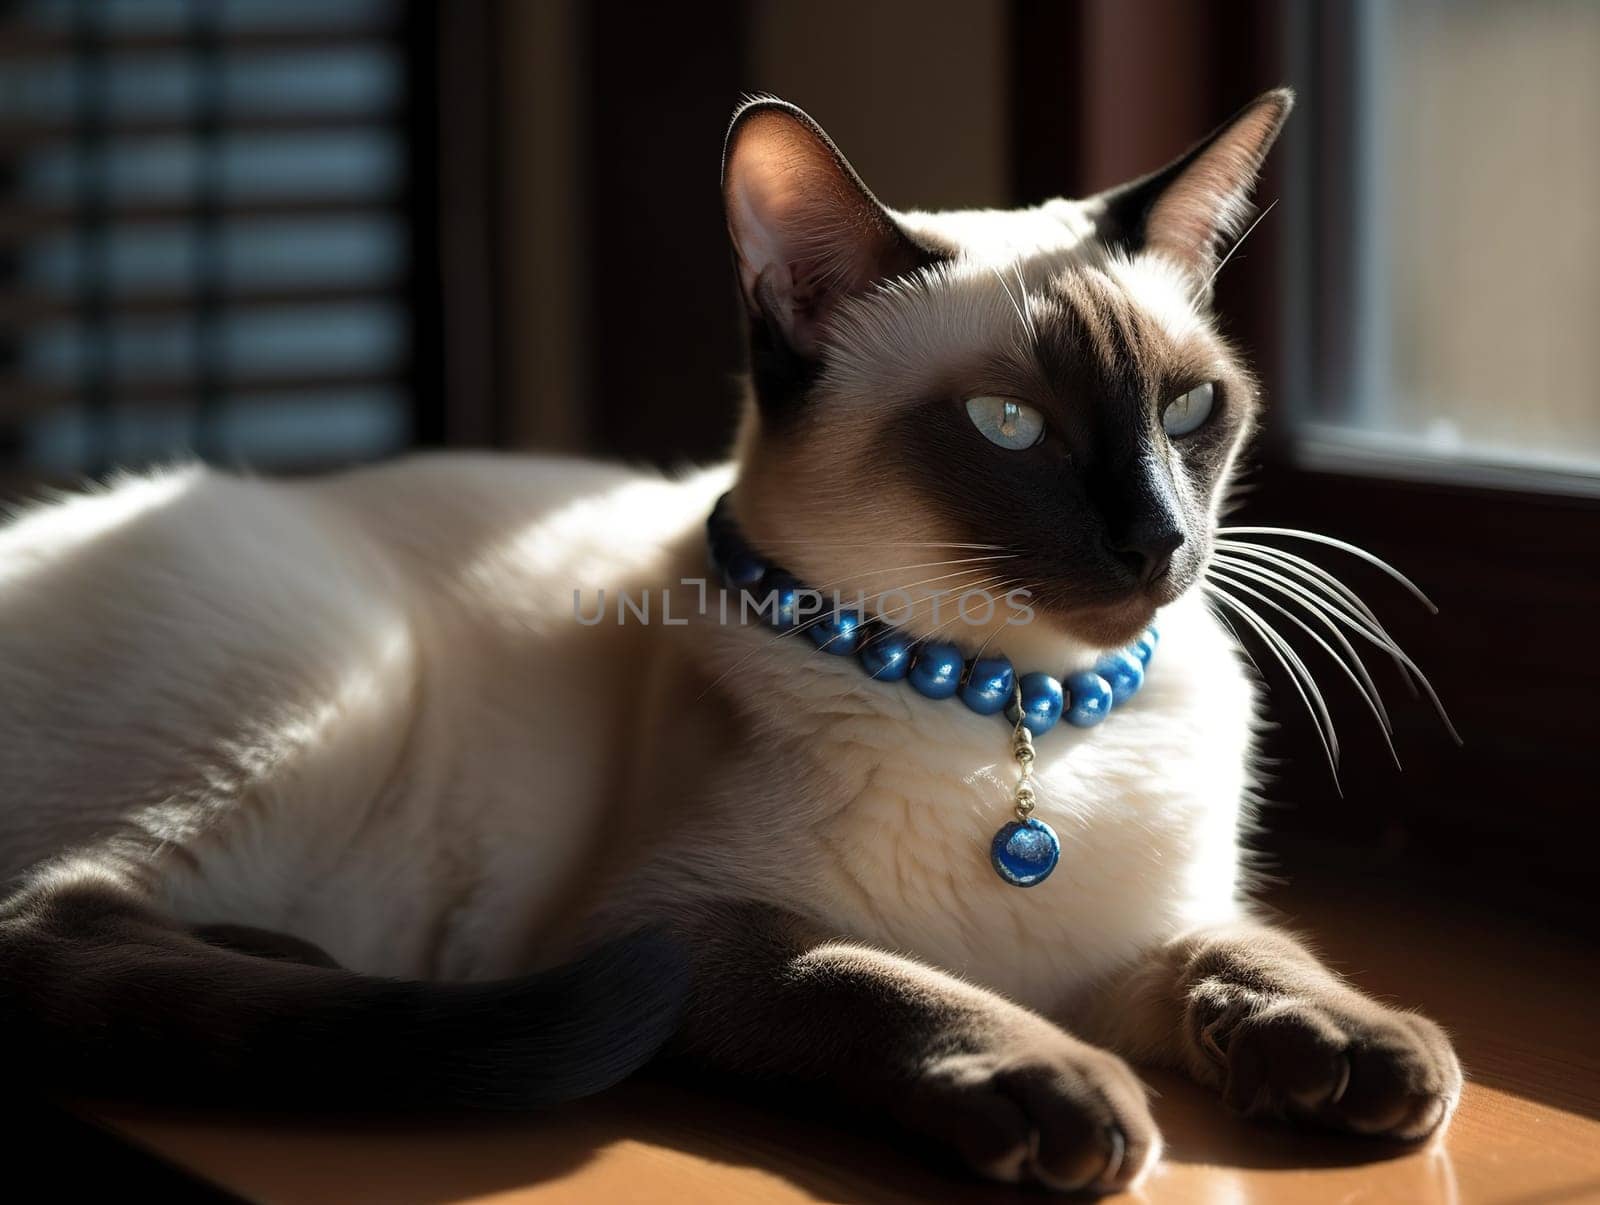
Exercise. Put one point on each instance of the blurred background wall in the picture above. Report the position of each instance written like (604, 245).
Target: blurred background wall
(294, 234)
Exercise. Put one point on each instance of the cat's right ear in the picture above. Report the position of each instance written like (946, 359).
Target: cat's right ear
(807, 234)
(1186, 210)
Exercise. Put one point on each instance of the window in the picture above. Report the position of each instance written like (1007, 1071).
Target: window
(1422, 307)
(1457, 298)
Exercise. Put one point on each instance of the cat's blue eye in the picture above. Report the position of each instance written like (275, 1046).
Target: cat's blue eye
(1006, 422)
(1187, 414)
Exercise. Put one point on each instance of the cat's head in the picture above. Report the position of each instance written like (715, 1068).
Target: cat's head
(993, 400)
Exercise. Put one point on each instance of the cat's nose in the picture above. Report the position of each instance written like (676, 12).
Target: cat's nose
(1147, 548)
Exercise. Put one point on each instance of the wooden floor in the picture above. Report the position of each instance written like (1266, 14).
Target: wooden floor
(1521, 1004)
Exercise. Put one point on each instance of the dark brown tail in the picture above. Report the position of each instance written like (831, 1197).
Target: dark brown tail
(101, 995)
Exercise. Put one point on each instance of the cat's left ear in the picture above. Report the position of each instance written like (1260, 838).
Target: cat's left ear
(1186, 210)
(807, 233)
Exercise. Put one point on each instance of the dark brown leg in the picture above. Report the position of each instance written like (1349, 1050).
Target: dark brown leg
(1016, 1096)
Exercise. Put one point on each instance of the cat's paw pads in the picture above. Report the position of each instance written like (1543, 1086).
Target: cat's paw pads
(1346, 1064)
(1071, 1121)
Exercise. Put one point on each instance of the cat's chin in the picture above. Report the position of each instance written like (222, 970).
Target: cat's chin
(1109, 626)
(1124, 620)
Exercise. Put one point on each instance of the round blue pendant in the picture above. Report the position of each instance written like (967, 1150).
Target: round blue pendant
(1024, 852)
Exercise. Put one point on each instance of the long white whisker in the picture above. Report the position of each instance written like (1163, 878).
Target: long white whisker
(1317, 606)
(932, 632)
(1329, 586)
(1361, 682)
(927, 581)
(1299, 676)
(1342, 546)
(1274, 643)
(1027, 308)
(885, 544)
(804, 625)
(993, 587)
(963, 560)
(1239, 242)
(1387, 644)
(989, 639)
(990, 584)
(1310, 570)
(1021, 317)
(1223, 619)
(827, 611)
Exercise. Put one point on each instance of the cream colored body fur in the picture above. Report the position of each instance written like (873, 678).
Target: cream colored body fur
(364, 712)
(361, 711)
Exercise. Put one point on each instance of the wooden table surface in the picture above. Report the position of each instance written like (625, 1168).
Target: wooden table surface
(1521, 1004)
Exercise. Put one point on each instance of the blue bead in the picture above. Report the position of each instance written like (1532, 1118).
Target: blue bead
(1124, 672)
(886, 656)
(1090, 699)
(1042, 701)
(990, 685)
(743, 570)
(1144, 648)
(784, 595)
(837, 633)
(1024, 852)
(936, 673)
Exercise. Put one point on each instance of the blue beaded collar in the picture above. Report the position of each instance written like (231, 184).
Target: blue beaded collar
(1026, 850)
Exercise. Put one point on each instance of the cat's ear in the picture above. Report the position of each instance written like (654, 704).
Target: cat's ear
(1188, 209)
(807, 233)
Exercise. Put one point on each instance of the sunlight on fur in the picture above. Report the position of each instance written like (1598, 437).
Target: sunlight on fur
(325, 781)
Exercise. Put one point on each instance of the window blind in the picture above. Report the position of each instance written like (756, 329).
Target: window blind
(205, 237)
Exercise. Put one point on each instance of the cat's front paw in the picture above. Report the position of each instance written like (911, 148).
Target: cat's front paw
(1049, 1110)
(1339, 1060)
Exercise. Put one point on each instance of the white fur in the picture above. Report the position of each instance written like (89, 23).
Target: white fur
(1161, 288)
(1147, 806)
(902, 339)
(361, 710)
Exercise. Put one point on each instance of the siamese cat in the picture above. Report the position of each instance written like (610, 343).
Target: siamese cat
(449, 781)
